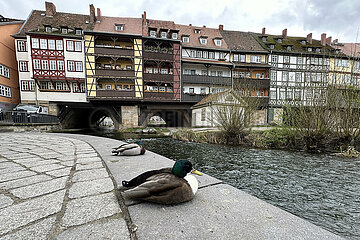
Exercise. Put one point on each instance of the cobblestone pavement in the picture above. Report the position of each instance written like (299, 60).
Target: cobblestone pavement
(55, 187)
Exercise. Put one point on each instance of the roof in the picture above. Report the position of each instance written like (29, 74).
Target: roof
(131, 25)
(210, 33)
(221, 98)
(209, 99)
(241, 41)
(294, 42)
(160, 24)
(350, 49)
(5, 19)
(37, 20)
(197, 60)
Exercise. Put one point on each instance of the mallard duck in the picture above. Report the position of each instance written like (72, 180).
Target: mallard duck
(130, 149)
(165, 186)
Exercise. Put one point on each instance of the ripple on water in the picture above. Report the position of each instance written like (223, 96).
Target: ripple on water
(320, 188)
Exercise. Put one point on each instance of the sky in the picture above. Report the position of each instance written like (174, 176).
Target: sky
(339, 19)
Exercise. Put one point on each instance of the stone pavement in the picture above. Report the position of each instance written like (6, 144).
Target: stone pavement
(61, 186)
(56, 188)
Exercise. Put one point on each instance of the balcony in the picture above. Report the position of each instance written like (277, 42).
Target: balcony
(193, 98)
(114, 73)
(156, 96)
(203, 79)
(253, 82)
(114, 94)
(158, 56)
(111, 51)
(158, 77)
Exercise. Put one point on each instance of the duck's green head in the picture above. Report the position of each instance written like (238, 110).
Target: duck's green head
(181, 168)
(139, 142)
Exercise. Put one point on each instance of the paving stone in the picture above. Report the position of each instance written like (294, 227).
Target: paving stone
(114, 229)
(84, 210)
(40, 188)
(24, 181)
(3, 159)
(50, 155)
(91, 165)
(88, 160)
(46, 168)
(60, 172)
(7, 165)
(15, 175)
(38, 162)
(66, 158)
(87, 155)
(38, 231)
(20, 156)
(88, 151)
(5, 201)
(90, 175)
(68, 163)
(82, 189)
(24, 213)
(12, 169)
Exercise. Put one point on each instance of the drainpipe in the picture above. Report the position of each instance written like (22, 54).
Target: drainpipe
(232, 77)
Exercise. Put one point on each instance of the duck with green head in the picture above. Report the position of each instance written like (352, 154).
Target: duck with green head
(165, 186)
(130, 149)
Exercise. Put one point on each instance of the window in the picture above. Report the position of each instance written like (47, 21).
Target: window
(59, 45)
(255, 59)
(203, 114)
(197, 31)
(75, 87)
(191, 90)
(24, 86)
(5, 91)
(35, 43)
(108, 87)
(192, 72)
(286, 59)
(78, 31)
(164, 71)
(148, 70)
(21, 46)
(236, 57)
(152, 33)
(44, 65)
(285, 76)
(119, 27)
(205, 54)
(288, 48)
(192, 53)
(174, 35)
(248, 74)
(204, 72)
(43, 44)
(163, 35)
(198, 54)
(37, 64)
(52, 65)
(221, 55)
(279, 40)
(23, 66)
(242, 58)
(185, 39)
(274, 58)
(202, 90)
(60, 65)
(213, 73)
(48, 29)
(258, 75)
(77, 46)
(51, 43)
(282, 93)
(203, 41)
(309, 49)
(297, 77)
(211, 55)
(69, 45)
(219, 73)
(242, 74)
(297, 95)
(161, 89)
(71, 66)
(273, 75)
(217, 42)
(272, 46)
(169, 89)
(64, 30)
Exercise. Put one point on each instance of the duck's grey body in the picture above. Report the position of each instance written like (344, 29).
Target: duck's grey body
(129, 149)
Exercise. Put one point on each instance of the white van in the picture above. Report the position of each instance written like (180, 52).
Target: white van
(32, 109)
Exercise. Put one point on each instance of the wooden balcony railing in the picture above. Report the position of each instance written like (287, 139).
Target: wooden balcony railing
(102, 93)
(111, 51)
(194, 98)
(114, 73)
(158, 77)
(158, 56)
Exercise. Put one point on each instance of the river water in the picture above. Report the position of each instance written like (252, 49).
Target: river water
(320, 188)
(323, 189)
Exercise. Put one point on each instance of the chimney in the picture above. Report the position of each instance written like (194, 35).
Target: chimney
(145, 21)
(204, 26)
(309, 38)
(221, 27)
(328, 40)
(284, 33)
(98, 18)
(323, 39)
(92, 13)
(50, 9)
(263, 31)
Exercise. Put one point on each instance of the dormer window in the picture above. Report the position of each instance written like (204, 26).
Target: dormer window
(174, 35)
(203, 41)
(303, 42)
(185, 39)
(64, 30)
(288, 48)
(197, 31)
(119, 27)
(78, 31)
(152, 33)
(318, 50)
(48, 29)
(309, 49)
(279, 40)
(217, 42)
(272, 46)
(264, 39)
(163, 35)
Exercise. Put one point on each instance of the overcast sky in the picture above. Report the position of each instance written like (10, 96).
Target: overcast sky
(337, 18)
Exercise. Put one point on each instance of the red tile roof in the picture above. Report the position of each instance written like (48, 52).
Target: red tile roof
(131, 25)
(350, 49)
